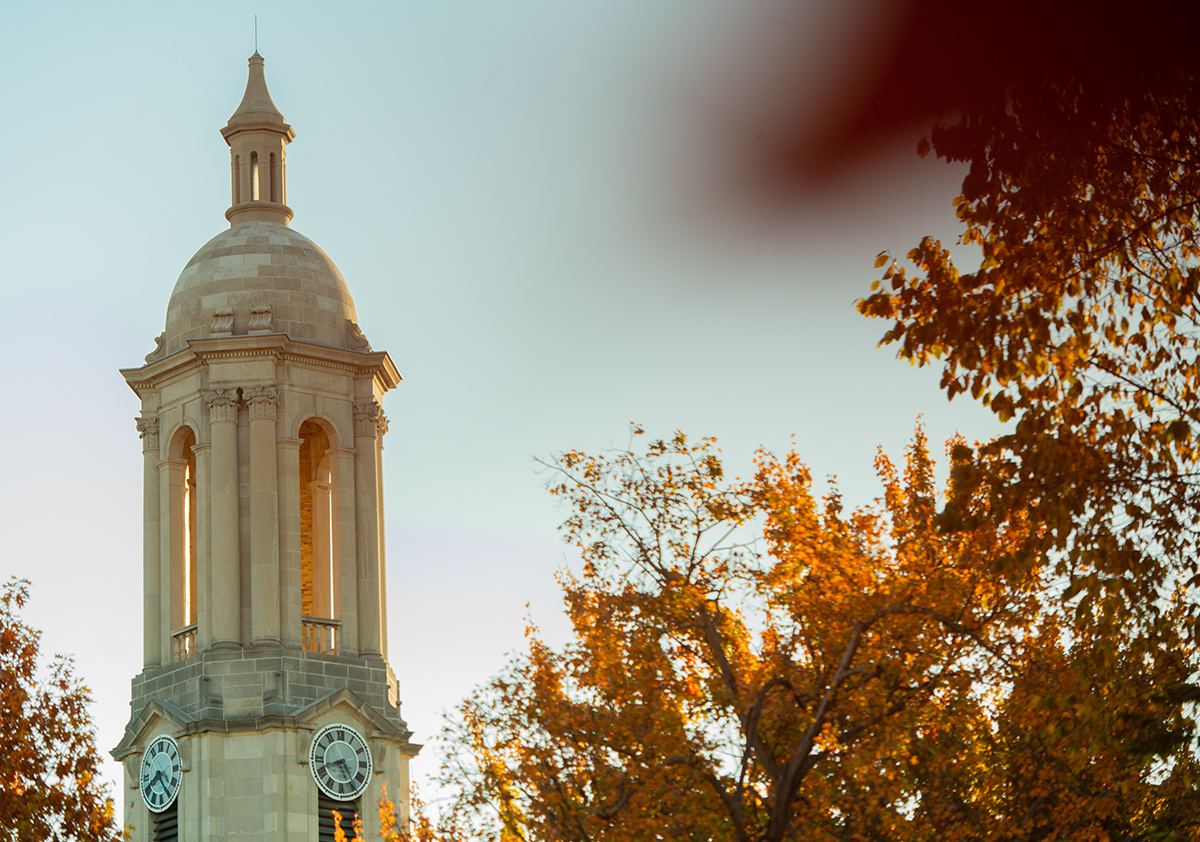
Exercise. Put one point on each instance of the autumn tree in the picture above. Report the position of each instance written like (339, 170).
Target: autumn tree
(50, 787)
(748, 663)
(1079, 328)
(1080, 323)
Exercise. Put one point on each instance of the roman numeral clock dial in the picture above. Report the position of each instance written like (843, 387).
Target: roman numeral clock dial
(161, 773)
(340, 762)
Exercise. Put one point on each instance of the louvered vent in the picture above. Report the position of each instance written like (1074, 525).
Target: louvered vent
(166, 824)
(325, 825)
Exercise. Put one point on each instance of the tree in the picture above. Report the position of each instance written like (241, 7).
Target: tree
(49, 784)
(1080, 324)
(722, 686)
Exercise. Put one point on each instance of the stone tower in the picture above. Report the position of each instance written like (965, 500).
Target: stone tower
(266, 696)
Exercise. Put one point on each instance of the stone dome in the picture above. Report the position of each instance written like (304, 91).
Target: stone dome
(258, 265)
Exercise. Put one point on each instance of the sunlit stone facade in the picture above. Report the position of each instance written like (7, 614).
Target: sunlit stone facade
(264, 574)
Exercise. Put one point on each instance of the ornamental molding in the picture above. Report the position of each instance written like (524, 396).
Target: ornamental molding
(160, 347)
(366, 419)
(278, 347)
(222, 405)
(358, 339)
(263, 401)
(260, 319)
(148, 432)
(222, 323)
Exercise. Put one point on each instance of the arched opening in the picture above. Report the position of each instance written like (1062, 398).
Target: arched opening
(182, 557)
(189, 528)
(254, 177)
(319, 591)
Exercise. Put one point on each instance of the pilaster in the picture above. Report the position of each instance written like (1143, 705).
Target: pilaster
(382, 426)
(264, 516)
(345, 545)
(151, 573)
(290, 585)
(226, 552)
(366, 431)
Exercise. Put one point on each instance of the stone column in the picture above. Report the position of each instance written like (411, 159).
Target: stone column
(322, 587)
(383, 623)
(151, 615)
(345, 547)
(203, 594)
(288, 456)
(244, 177)
(366, 524)
(226, 560)
(264, 515)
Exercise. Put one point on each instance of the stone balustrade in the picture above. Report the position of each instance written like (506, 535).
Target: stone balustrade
(320, 634)
(185, 642)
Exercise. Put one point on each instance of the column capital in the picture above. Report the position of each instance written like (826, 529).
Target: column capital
(222, 405)
(366, 419)
(263, 401)
(147, 427)
(381, 424)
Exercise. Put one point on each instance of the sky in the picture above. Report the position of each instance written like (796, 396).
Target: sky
(531, 203)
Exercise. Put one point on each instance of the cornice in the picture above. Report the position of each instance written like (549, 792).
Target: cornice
(277, 346)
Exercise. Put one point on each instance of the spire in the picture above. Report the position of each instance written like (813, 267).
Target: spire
(258, 135)
(257, 108)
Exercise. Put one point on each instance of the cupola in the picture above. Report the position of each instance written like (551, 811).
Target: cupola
(258, 136)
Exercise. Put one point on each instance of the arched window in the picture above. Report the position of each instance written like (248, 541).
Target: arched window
(316, 548)
(254, 177)
(189, 526)
(183, 500)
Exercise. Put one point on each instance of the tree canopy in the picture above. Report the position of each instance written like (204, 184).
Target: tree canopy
(752, 663)
(50, 787)
(1080, 323)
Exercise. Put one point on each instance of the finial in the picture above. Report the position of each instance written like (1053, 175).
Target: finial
(256, 34)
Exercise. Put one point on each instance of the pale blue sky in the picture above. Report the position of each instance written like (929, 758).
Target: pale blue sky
(524, 200)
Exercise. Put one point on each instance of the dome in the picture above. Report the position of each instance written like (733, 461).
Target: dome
(256, 265)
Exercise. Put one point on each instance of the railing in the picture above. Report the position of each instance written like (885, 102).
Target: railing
(185, 642)
(320, 634)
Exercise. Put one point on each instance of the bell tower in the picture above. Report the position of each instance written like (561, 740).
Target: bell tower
(266, 699)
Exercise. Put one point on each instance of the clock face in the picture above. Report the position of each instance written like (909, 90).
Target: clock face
(340, 762)
(162, 773)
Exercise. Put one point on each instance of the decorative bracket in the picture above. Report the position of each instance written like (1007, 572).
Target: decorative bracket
(222, 323)
(260, 319)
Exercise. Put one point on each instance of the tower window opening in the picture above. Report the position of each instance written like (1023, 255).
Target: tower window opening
(189, 534)
(182, 531)
(254, 177)
(318, 585)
